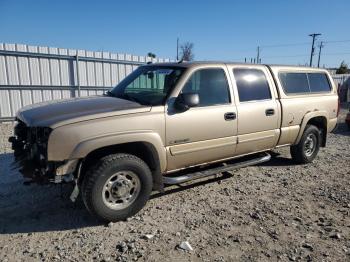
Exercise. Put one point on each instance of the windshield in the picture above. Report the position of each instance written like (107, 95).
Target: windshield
(148, 85)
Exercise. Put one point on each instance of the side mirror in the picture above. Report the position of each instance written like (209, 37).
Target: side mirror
(185, 101)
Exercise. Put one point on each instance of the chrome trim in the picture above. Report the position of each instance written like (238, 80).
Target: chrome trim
(214, 171)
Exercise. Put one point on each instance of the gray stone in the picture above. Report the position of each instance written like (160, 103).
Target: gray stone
(185, 245)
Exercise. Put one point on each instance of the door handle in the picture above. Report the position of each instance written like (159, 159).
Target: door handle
(230, 116)
(269, 112)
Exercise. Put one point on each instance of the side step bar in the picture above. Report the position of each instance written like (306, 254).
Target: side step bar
(213, 171)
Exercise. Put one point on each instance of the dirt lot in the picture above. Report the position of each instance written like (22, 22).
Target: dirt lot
(275, 211)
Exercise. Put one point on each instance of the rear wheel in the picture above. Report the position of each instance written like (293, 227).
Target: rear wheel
(117, 187)
(307, 148)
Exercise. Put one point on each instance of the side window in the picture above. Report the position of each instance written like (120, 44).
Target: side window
(294, 82)
(251, 84)
(318, 82)
(211, 85)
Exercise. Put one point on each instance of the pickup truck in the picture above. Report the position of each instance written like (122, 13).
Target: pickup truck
(170, 117)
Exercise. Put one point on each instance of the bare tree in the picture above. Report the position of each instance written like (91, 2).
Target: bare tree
(187, 51)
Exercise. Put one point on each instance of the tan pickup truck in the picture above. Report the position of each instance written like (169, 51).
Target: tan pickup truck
(164, 118)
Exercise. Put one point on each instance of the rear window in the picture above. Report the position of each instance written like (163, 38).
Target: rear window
(294, 83)
(318, 82)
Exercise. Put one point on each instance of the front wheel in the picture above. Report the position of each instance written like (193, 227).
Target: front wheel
(117, 187)
(307, 148)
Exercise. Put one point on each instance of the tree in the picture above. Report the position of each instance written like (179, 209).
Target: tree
(152, 55)
(187, 51)
(343, 68)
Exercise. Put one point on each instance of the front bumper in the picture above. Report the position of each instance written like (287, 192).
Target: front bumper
(30, 155)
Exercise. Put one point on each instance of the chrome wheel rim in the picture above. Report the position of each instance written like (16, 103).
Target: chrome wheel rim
(121, 190)
(310, 145)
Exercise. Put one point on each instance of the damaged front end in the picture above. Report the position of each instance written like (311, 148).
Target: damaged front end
(30, 145)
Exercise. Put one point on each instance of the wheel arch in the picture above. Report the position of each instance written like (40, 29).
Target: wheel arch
(147, 146)
(318, 119)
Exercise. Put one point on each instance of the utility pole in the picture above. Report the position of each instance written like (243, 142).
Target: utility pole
(319, 53)
(313, 46)
(258, 55)
(177, 49)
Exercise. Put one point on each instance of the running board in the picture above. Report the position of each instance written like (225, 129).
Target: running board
(213, 171)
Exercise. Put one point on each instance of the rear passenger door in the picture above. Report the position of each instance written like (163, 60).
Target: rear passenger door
(258, 109)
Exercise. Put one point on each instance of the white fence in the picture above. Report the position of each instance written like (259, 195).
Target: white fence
(340, 79)
(32, 74)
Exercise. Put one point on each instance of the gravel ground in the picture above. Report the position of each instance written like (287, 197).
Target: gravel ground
(275, 211)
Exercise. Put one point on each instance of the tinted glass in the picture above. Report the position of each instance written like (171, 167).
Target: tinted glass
(148, 85)
(211, 85)
(318, 82)
(251, 84)
(294, 82)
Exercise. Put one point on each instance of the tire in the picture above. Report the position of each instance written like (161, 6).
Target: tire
(117, 187)
(306, 150)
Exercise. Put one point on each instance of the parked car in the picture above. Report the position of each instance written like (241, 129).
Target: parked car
(167, 117)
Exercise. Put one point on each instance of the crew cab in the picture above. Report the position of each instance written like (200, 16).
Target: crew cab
(171, 117)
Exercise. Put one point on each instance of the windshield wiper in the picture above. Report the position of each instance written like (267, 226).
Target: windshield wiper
(130, 98)
(109, 93)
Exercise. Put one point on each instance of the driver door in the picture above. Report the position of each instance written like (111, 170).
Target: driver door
(205, 133)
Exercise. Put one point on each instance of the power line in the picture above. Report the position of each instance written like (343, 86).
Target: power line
(293, 44)
(272, 46)
(305, 55)
(337, 41)
(301, 44)
(261, 47)
(343, 53)
(284, 45)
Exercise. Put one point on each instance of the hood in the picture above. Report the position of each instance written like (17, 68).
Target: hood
(61, 112)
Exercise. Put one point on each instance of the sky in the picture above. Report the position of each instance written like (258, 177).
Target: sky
(220, 30)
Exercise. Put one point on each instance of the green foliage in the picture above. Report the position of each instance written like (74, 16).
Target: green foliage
(343, 68)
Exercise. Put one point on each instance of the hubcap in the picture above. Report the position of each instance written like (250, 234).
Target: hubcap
(310, 145)
(121, 190)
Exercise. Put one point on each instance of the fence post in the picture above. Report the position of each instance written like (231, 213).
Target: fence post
(77, 67)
